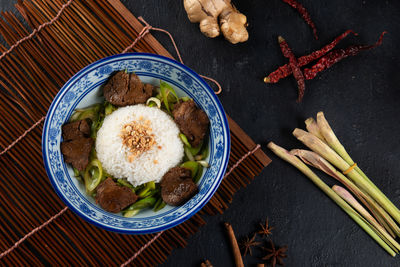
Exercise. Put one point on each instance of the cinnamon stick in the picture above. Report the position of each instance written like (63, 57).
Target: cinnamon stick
(235, 247)
(207, 263)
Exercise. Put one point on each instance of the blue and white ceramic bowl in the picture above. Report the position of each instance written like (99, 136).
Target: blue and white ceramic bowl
(83, 90)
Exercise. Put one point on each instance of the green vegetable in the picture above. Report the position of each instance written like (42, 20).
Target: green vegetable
(195, 150)
(159, 205)
(165, 90)
(76, 172)
(109, 108)
(142, 203)
(75, 116)
(148, 186)
(193, 166)
(198, 175)
(188, 154)
(134, 209)
(204, 152)
(153, 101)
(185, 140)
(185, 98)
(124, 182)
(90, 112)
(204, 163)
(130, 213)
(151, 193)
(93, 175)
(93, 154)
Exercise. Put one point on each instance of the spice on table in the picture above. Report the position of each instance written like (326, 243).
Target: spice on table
(248, 243)
(235, 247)
(275, 255)
(304, 14)
(337, 55)
(285, 70)
(207, 263)
(294, 66)
(265, 230)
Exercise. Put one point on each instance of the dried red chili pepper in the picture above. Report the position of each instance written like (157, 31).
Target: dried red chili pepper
(304, 14)
(294, 66)
(285, 70)
(337, 55)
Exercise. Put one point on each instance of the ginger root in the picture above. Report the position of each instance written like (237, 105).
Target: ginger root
(232, 23)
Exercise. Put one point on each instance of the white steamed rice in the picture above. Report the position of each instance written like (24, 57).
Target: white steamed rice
(148, 166)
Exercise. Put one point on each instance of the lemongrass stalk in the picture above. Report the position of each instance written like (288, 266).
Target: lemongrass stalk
(385, 220)
(331, 138)
(285, 155)
(334, 143)
(315, 160)
(330, 155)
(312, 128)
(343, 193)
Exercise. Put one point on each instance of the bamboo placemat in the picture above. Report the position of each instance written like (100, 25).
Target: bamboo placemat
(31, 73)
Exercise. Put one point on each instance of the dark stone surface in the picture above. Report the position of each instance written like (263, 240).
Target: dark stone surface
(360, 97)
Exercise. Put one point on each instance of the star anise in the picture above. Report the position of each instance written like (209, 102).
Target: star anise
(275, 255)
(265, 230)
(248, 243)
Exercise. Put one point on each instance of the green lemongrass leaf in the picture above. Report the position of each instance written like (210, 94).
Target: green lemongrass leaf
(315, 144)
(315, 160)
(312, 128)
(285, 155)
(343, 193)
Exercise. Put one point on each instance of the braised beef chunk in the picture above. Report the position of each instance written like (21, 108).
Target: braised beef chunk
(114, 198)
(192, 121)
(175, 174)
(177, 186)
(76, 129)
(123, 89)
(77, 151)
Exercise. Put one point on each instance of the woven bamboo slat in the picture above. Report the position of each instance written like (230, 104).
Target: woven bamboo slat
(30, 76)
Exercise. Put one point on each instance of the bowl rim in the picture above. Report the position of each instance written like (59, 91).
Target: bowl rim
(183, 218)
